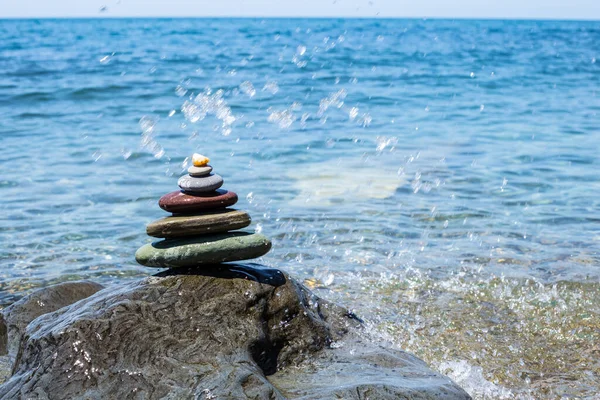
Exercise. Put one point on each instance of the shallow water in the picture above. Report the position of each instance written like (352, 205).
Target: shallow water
(439, 177)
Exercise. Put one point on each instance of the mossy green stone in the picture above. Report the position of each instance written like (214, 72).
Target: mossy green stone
(204, 249)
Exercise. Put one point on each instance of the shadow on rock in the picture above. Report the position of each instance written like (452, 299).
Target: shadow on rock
(249, 271)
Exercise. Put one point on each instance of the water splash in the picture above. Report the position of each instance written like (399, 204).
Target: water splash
(106, 59)
(337, 100)
(247, 88)
(148, 142)
(383, 142)
(208, 103)
(298, 58)
(284, 118)
(470, 378)
(271, 87)
(499, 338)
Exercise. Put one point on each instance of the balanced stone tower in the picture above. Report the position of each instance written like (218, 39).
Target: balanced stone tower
(199, 232)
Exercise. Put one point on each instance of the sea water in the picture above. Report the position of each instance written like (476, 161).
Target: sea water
(438, 177)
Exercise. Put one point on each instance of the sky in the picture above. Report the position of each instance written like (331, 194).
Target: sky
(529, 9)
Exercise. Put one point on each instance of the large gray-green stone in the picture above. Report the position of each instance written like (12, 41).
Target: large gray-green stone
(216, 221)
(204, 249)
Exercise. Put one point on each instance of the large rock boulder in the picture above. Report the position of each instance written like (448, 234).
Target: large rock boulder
(19, 314)
(236, 332)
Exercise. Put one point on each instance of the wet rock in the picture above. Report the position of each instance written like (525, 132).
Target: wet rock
(237, 331)
(5, 368)
(19, 314)
(3, 336)
(5, 362)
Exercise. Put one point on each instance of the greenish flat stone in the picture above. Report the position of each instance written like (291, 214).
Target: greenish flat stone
(205, 249)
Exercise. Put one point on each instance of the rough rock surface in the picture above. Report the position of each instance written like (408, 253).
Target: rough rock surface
(231, 333)
(19, 314)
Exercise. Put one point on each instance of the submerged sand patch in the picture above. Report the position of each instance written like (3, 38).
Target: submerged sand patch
(344, 180)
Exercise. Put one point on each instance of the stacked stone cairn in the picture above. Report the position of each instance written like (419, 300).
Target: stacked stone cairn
(199, 231)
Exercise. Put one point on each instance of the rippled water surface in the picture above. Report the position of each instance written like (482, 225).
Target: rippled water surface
(438, 177)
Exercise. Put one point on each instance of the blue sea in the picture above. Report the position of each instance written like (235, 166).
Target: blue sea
(439, 177)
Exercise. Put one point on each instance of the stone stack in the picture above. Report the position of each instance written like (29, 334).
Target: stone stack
(199, 231)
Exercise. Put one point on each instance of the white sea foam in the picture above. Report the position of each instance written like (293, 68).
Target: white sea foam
(470, 377)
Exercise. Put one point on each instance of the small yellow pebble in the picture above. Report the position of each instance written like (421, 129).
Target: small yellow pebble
(199, 160)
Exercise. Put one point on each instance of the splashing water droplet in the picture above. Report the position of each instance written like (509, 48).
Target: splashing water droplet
(126, 153)
(247, 88)
(271, 87)
(180, 91)
(185, 163)
(383, 142)
(284, 118)
(334, 99)
(329, 279)
(297, 59)
(148, 142)
(208, 103)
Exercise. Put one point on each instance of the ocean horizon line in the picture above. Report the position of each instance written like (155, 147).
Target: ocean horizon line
(250, 17)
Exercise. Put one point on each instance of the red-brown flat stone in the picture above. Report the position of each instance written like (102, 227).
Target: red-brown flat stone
(184, 203)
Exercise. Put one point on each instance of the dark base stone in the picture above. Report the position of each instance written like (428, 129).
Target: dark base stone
(232, 331)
